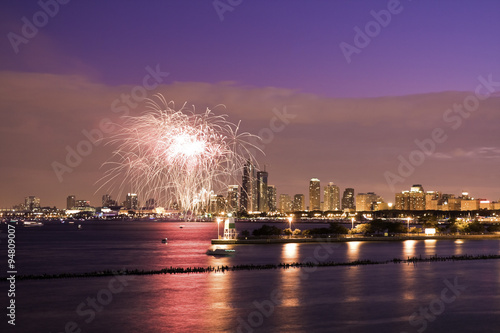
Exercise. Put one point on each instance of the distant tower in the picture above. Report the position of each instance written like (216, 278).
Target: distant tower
(298, 203)
(314, 194)
(262, 191)
(31, 203)
(248, 199)
(131, 201)
(271, 198)
(106, 200)
(232, 198)
(70, 202)
(285, 203)
(348, 199)
(331, 197)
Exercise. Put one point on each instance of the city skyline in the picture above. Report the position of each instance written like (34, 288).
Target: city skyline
(236, 198)
(404, 108)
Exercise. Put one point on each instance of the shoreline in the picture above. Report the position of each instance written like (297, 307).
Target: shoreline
(347, 239)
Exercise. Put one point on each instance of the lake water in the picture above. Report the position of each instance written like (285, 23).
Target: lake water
(430, 297)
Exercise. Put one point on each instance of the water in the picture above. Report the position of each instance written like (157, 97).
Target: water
(379, 298)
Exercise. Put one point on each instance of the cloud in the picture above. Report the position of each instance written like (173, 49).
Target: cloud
(351, 140)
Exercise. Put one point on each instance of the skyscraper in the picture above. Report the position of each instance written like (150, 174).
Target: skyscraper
(31, 203)
(70, 202)
(248, 199)
(285, 203)
(331, 197)
(131, 201)
(298, 203)
(365, 201)
(232, 198)
(271, 198)
(314, 194)
(348, 199)
(107, 201)
(262, 202)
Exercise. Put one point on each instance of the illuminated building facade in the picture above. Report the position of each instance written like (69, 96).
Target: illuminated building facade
(314, 194)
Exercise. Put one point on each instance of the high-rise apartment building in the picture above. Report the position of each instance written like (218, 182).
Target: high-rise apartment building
(248, 198)
(271, 198)
(131, 201)
(365, 201)
(314, 194)
(414, 199)
(299, 203)
(348, 199)
(331, 197)
(233, 198)
(31, 203)
(107, 201)
(285, 203)
(262, 201)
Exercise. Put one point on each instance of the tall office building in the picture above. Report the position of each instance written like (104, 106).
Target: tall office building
(348, 199)
(217, 204)
(31, 203)
(314, 194)
(262, 202)
(331, 197)
(233, 198)
(70, 202)
(131, 201)
(248, 198)
(107, 201)
(366, 201)
(271, 198)
(299, 203)
(285, 203)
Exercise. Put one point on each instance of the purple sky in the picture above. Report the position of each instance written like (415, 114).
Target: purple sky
(350, 121)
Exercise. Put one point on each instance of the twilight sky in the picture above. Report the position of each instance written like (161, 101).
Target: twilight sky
(330, 102)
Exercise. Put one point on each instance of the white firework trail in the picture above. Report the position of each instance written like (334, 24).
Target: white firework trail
(177, 156)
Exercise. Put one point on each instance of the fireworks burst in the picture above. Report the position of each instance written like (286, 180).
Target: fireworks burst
(176, 156)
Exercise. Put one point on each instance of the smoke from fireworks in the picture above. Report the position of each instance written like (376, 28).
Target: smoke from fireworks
(176, 156)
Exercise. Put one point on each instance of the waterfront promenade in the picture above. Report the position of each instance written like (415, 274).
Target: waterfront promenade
(348, 239)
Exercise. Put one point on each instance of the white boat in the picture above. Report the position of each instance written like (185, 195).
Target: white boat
(164, 240)
(80, 227)
(32, 224)
(220, 252)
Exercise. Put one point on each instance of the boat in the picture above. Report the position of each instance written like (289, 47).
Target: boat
(220, 252)
(164, 240)
(182, 226)
(80, 227)
(32, 224)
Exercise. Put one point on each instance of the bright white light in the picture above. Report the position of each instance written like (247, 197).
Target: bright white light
(177, 156)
